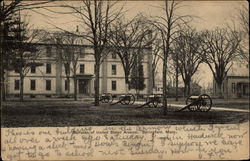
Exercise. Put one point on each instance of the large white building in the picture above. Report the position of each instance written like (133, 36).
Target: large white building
(49, 80)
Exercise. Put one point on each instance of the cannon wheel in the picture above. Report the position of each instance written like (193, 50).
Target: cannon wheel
(109, 99)
(132, 99)
(191, 108)
(155, 104)
(152, 104)
(103, 99)
(205, 103)
(125, 101)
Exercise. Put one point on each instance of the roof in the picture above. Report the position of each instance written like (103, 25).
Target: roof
(238, 72)
(47, 37)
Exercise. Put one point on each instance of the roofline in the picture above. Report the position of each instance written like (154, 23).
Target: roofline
(90, 46)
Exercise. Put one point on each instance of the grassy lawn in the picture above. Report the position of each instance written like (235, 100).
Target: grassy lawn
(83, 113)
(228, 103)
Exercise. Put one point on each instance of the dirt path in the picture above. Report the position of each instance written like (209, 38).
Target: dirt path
(213, 108)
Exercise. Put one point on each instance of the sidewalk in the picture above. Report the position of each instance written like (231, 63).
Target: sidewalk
(213, 108)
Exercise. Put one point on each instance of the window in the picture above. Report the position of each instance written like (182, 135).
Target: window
(113, 85)
(113, 70)
(81, 68)
(48, 51)
(32, 69)
(48, 85)
(17, 85)
(48, 68)
(32, 85)
(16, 71)
(113, 56)
(233, 87)
(66, 85)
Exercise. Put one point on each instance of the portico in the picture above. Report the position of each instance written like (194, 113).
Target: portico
(84, 84)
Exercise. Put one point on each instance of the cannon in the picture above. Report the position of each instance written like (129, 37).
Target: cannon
(126, 99)
(152, 101)
(106, 98)
(201, 103)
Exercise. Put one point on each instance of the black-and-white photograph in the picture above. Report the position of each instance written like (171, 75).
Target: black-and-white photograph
(127, 67)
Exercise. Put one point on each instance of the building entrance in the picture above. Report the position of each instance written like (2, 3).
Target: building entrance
(83, 86)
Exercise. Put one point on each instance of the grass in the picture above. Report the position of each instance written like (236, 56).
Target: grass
(228, 103)
(54, 113)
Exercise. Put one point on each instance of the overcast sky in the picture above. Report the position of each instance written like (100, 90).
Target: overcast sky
(211, 14)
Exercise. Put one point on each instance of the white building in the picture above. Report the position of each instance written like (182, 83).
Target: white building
(50, 79)
(236, 83)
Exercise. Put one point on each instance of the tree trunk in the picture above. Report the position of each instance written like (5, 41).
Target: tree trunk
(185, 90)
(1, 82)
(75, 88)
(21, 87)
(96, 83)
(188, 88)
(164, 81)
(137, 94)
(3, 90)
(126, 73)
(219, 85)
(176, 84)
(3, 94)
(2, 57)
(68, 85)
(153, 78)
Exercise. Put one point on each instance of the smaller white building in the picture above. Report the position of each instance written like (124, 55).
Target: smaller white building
(236, 83)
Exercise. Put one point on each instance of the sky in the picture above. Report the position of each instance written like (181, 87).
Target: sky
(211, 14)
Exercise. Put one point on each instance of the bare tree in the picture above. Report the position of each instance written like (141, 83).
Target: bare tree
(221, 47)
(174, 66)
(188, 47)
(243, 18)
(96, 18)
(128, 39)
(7, 11)
(68, 47)
(24, 52)
(70, 57)
(168, 24)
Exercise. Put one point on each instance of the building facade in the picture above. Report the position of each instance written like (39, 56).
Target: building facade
(49, 79)
(236, 83)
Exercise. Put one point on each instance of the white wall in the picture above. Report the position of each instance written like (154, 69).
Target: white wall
(40, 85)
